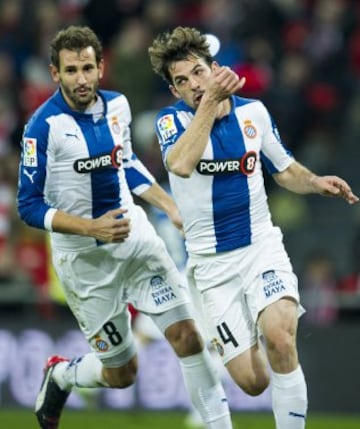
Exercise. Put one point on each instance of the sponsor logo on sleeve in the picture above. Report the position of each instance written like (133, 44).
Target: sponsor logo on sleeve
(29, 152)
(167, 126)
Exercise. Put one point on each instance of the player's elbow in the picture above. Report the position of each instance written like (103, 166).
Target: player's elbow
(181, 173)
(30, 215)
(25, 215)
(180, 169)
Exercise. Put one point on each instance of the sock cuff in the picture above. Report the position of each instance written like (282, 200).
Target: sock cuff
(288, 380)
(194, 360)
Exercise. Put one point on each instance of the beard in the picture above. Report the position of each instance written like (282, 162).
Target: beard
(79, 101)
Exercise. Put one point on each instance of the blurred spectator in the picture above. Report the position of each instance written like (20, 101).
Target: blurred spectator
(8, 103)
(318, 284)
(37, 84)
(14, 33)
(256, 67)
(106, 17)
(160, 14)
(349, 285)
(286, 98)
(130, 72)
(289, 211)
(7, 231)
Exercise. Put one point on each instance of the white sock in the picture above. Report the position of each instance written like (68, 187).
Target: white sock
(85, 371)
(205, 390)
(289, 399)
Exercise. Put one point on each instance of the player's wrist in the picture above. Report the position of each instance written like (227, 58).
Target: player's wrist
(312, 182)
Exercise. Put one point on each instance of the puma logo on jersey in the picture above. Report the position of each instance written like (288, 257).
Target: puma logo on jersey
(30, 175)
(72, 135)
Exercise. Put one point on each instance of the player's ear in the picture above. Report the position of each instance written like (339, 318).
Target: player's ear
(101, 67)
(174, 91)
(54, 73)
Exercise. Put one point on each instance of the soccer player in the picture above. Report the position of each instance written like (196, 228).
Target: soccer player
(76, 173)
(214, 145)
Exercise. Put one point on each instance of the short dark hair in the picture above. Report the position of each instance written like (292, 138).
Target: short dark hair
(75, 38)
(181, 43)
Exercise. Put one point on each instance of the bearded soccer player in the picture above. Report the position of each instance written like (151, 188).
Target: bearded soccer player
(77, 173)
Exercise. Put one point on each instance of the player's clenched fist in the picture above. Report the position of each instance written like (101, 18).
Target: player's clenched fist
(109, 228)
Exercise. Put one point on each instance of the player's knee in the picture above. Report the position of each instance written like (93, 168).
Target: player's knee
(281, 345)
(184, 338)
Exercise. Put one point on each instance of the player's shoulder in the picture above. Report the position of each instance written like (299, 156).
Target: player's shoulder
(253, 103)
(109, 95)
(115, 99)
(50, 107)
(174, 109)
(252, 106)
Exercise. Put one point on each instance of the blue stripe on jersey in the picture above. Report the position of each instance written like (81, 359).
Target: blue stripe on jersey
(134, 176)
(230, 191)
(104, 183)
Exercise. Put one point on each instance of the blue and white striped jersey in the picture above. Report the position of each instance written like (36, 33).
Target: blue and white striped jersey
(223, 203)
(77, 163)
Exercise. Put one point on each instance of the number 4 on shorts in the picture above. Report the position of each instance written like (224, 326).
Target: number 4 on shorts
(226, 335)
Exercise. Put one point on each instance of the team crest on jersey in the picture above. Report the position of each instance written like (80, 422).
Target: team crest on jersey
(115, 126)
(101, 344)
(217, 346)
(167, 126)
(29, 152)
(249, 130)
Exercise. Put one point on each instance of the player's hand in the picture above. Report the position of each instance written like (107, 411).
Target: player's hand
(333, 186)
(175, 218)
(223, 83)
(109, 228)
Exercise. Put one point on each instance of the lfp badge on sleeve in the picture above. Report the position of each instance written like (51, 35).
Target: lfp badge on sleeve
(30, 154)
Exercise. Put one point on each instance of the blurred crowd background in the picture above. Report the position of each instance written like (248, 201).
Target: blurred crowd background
(300, 57)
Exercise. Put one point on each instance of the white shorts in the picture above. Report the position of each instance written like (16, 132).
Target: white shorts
(99, 284)
(236, 286)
